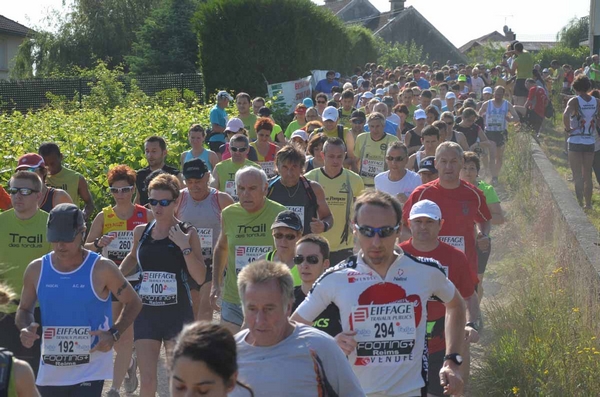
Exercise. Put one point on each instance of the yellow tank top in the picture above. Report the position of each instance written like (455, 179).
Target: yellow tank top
(372, 156)
(67, 180)
(122, 229)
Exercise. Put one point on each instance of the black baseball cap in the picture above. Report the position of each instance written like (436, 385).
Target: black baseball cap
(64, 222)
(428, 164)
(288, 219)
(264, 111)
(195, 168)
(358, 115)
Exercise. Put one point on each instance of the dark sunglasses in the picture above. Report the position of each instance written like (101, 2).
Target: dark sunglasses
(162, 203)
(124, 189)
(238, 149)
(382, 232)
(358, 121)
(397, 158)
(310, 259)
(279, 236)
(23, 191)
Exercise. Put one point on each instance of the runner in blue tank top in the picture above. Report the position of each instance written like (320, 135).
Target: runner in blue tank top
(73, 286)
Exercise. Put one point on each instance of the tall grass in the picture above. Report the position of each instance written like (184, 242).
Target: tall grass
(542, 325)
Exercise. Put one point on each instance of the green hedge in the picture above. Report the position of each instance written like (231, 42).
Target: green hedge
(245, 42)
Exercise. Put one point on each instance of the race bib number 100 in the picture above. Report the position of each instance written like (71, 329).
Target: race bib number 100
(385, 334)
(66, 346)
(158, 289)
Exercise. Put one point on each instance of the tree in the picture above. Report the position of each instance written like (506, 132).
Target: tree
(166, 42)
(89, 31)
(245, 43)
(576, 31)
(394, 54)
(363, 45)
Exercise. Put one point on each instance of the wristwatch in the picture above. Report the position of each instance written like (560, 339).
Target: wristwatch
(472, 325)
(115, 334)
(186, 251)
(454, 357)
(96, 243)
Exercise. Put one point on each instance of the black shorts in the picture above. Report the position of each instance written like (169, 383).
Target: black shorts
(84, 389)
(162, 323)
(482, 259)
(134, 284)
(339, 256)
(520, 89)
(10, 338)
(534, 120)
(209, 276)
(498, 137)
(436, 361)
(580, 148)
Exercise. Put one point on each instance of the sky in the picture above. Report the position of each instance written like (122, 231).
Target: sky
(531, 20)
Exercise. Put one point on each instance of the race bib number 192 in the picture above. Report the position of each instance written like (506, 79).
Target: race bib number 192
(66, 346)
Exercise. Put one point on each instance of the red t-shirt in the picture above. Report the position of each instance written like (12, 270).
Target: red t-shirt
(461, 209)
(5, 202)
(458, 271)
(537, 99)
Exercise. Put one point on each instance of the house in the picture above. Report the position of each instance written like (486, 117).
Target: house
(498, 40)
(400, 24)
(12, 35)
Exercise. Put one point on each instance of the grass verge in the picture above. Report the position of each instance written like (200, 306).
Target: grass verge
(541, 325)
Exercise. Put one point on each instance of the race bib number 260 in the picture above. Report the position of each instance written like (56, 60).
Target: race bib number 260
(385, 334)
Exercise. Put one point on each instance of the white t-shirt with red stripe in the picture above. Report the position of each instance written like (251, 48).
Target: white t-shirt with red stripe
(389, 315)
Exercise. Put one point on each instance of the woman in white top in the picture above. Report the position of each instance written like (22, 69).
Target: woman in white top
(580, 122)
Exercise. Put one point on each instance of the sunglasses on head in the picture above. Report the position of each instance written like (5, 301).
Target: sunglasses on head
(395, 158)
(23, 191)
(238, 149)
(382, 232)
(124, 189)
(310, 259)
(162, 203)
(280, 236)
(30, 169)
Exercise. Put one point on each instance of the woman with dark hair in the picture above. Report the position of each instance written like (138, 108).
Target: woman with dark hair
(315, 147)
(580, 119)
(204, 362)
(112, 235)
(402, 111)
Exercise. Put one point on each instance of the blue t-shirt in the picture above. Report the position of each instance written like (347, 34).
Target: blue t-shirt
(218, 116)
(389, 128)
(423, 84)
(325, 86)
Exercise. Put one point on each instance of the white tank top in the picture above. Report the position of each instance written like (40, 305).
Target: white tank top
(495, 118)
(583, 122)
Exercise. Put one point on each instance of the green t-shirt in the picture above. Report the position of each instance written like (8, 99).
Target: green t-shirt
(491, 197)
(249, 122)
(21, 242)
(345, 117)
(411, 113)
(294, 270)
(339, 194)
(293, 126)
(248, 238)
(276, 130)
(371, 156)
(225, 171)
(524, 65)
(67, 180)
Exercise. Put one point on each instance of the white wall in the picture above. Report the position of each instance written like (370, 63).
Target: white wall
(9, 46)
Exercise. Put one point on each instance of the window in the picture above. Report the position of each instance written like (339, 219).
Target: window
(3, 54)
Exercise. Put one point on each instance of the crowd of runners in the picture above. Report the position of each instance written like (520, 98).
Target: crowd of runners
(341, 256)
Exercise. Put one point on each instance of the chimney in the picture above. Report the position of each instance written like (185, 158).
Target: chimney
(397, 6)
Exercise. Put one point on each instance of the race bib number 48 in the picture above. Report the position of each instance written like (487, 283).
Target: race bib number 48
(246, 254)
(158, 289)
(385, 334)
(66, 346)
(206, 240)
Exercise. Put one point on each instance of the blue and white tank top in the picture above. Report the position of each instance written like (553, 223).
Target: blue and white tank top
(495, 118)
(71, 309)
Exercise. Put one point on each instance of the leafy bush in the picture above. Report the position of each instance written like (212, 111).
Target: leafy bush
(391, 55)
(363, 46)
(564, 55)
(245, 43)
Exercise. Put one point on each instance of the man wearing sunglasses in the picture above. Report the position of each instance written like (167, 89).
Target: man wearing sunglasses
(224, 173)
(311, 260)
(425, 221)
(381, 294)
(371, 148)
(397, 181)
(22, 240)
(51, 197)
(286, 230)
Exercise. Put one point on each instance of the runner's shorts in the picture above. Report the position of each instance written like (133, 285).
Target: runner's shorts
(520, 89)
